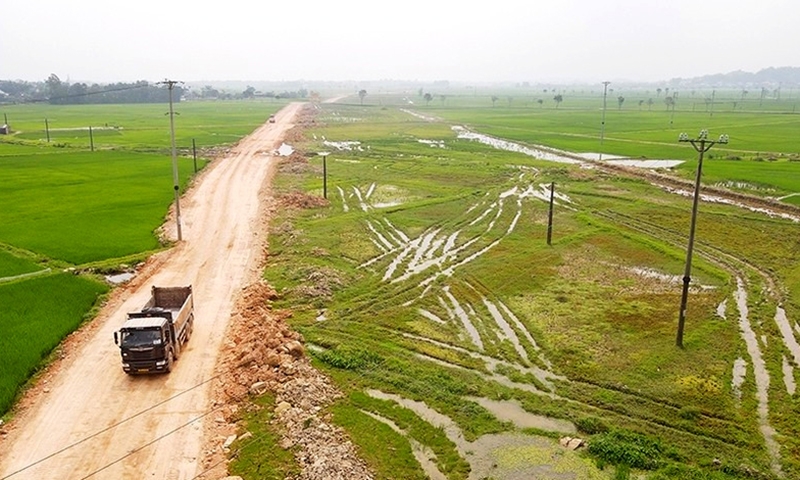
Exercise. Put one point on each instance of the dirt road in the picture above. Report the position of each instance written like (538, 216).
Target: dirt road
(92, 420)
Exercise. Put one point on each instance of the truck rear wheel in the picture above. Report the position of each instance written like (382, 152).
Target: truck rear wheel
(190, 327)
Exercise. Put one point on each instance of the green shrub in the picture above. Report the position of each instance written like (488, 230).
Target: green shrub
(623, 472)
(349, 358)
(591, 425)
(621, 447)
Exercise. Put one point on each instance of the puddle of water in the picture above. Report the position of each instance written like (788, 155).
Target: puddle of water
(399, 232)
(344, 146)
(761, 375)
(520, 326)
(491, 377)
(650, 273)
(788, 377)
(363, 205)
(380, 236)
(465, 321)
(739, 373)
(430, 316)
(544, 376)
(119, 278)
(713, 199)
(345, 207)
(511, 411)
(721, 309)
(506, 328)
(449, 271)
(646, 163)
(597, 156)
(428, 251)
(537, 151)
(430, 415)
(399, 259)
(670, 279)
(511, 456)
(432, 143)
(450, 313)
(788, 335)
(422, 453)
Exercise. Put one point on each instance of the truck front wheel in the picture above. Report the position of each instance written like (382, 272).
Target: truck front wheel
(170, 361)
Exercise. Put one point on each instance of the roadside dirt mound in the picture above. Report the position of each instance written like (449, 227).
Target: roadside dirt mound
(299, 199)
(264, 355)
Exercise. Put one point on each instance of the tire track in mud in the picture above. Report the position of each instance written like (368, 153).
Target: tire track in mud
(409, 266)
(738, 267)
(455, 310)
(403, 261)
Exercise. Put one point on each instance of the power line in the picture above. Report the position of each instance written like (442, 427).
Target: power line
(98, 433)
(157, 439)
(85, 94)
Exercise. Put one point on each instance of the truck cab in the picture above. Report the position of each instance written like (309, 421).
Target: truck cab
(146, 345)
(152, 338)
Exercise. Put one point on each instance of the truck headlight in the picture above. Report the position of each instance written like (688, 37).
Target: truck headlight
(161, 363)
(125, 365)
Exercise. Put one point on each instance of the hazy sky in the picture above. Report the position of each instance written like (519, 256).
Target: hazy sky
(497, 40)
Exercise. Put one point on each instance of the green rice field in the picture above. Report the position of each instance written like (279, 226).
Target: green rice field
(65, 205)
(425, 288)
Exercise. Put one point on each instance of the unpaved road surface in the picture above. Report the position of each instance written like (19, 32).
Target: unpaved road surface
(92, 420)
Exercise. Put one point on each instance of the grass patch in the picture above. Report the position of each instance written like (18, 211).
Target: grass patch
(260, 455)
(598, 307)
(12, 265)
(37, 314)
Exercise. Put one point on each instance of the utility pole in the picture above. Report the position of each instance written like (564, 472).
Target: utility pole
(91, 138)
(324, 173)
(47, 129)
(194, 155)
(702, 144)
(603, 121)
(176, 181)
(550, 213)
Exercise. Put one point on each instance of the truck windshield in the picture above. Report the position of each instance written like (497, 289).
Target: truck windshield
(139, 338)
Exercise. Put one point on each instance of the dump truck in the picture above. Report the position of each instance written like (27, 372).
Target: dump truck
(151, 339)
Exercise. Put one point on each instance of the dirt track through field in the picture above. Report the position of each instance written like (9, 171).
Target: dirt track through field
(92, 420)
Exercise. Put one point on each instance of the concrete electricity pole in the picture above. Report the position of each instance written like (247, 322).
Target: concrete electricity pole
(702, 144)
(603, 120)
(175, 180)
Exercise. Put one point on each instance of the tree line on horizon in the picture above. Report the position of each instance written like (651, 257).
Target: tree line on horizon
(55, 91)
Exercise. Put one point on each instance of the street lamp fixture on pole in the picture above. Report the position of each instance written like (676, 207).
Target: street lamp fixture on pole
(702, 144)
